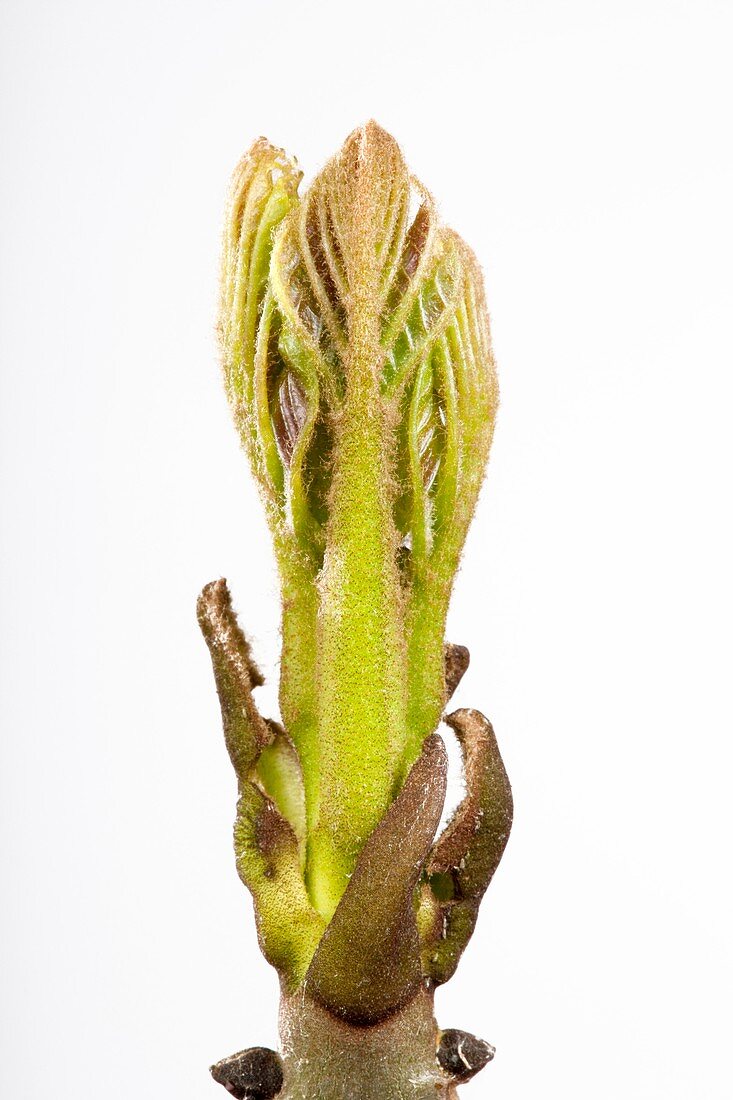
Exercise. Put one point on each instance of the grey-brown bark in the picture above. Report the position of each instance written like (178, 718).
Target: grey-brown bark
(404, 1057)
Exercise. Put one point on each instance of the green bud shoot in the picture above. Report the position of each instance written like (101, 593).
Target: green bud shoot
(357, 362)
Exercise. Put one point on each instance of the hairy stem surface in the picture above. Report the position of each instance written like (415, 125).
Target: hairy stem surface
(325, 1058)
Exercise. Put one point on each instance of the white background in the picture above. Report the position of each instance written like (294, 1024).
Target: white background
(584, 150)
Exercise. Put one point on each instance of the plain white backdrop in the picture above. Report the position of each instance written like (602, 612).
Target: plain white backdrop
(584, 150)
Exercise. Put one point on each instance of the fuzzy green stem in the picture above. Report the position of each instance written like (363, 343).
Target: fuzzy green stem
(361, 682)
(298, 698)
(425, 629)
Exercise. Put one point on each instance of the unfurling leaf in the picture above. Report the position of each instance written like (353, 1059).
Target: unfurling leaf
(357, 358)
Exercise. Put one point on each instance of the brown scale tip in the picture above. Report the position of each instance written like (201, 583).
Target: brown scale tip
(457, 659)
(462, 1055)
(220, 628)
(254, 1074)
